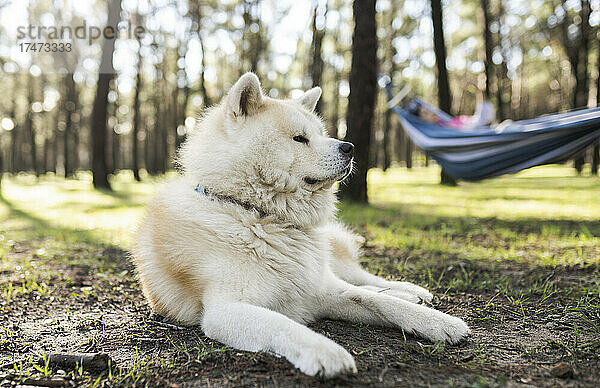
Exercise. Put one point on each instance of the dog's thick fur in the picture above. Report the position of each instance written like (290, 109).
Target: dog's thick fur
(256, 252)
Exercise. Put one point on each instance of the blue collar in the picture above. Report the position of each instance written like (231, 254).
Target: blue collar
(201, 189)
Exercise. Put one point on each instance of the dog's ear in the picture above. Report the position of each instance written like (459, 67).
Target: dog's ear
(245, 97)
(310, 98)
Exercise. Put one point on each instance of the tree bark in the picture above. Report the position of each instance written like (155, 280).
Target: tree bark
(115, 149)
(30, 129)
(596, 149)
(489, 45)
(439, 47)
(68, 109)
(598, 68)
(165, 123)
(409, 151)
(335, 105)
(502, 81)
(361, 102)
(66, 158)
(55, 145)
(136, 117)
(316, 66)
(439, 44)
(582, 52)
(176, 117)
(46, 155)
(1, 171)
(206, 100)
(253, 41)
(13, 140)
(195, 14)
(388, 130)
(99, 112)
(580, 98)
(335, 98)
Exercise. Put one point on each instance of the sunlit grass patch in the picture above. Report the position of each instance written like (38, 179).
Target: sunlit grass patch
(545, 216)
(70, 209)
(547, 192)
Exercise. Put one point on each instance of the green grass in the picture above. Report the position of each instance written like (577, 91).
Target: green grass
(543, 216)
(71, 209)
(515, 248)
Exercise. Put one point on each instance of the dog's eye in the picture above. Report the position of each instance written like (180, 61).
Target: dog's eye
(300, 139)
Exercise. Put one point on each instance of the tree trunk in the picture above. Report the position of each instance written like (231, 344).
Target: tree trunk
(206, 101)
(99, 112)
(51, 119)
(316, 66)
(149, 148)
(444, 99)
(164, 160)
(1, 171)
(409, 151)
(361, 102)
(153, 152)
(335, 105)
(65, 137)
(55, 145)
(443, 85)
(30, 129)
(595, 159)
(159, 122)
(387, 140)
(13, 141)
(176, 117)
(68, 109)
(46, 155)
(116, 141)
(158, 138)
(489, 45)
(596, 150)
(136, 118)
(335, 98)
(195, 14)
(388, 130)
(502, 81)
(580, 98)
(252, 42)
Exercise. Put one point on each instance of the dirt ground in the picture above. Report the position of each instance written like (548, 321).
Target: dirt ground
(543, 339)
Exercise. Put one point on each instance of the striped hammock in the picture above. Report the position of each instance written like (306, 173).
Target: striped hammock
(506, 148)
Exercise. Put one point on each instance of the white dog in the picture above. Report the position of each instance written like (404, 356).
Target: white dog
(245, 241)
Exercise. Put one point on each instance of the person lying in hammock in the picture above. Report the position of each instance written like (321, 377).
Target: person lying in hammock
(485, 113)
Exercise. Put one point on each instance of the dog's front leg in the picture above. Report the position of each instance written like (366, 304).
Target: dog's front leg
(353, 273)
(357, 304)
(252, 328)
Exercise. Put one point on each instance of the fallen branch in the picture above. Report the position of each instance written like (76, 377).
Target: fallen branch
(93, 362)
(50, 382)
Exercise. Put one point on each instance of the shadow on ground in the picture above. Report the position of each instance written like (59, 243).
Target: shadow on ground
(64, 290)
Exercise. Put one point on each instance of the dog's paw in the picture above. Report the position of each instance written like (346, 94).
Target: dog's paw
(443, 327)
(408, 288)
(326, 359)
(457, 330)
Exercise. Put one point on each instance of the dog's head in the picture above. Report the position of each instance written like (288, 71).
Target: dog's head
(274, 154)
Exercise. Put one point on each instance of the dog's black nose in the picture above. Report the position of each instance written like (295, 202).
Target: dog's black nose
(347, 148)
